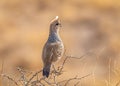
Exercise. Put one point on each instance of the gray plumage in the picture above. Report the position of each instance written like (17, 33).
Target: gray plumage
(53, 48)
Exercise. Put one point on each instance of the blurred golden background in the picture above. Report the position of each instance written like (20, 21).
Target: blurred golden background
(87, 26)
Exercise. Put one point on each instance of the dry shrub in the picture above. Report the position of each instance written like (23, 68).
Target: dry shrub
(35, 80)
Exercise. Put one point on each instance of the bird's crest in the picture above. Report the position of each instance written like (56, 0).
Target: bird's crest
(55, 19)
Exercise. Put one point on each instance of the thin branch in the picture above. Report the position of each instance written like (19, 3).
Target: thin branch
(60, 68)
(11, 79)
(70, 80)
(33, 77)
(34, 83)
(75, 78)
(48, 82)
(23, 77)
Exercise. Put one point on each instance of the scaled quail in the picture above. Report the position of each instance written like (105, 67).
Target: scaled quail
(53, 48)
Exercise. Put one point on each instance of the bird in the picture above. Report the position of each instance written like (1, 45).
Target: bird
(53, 49)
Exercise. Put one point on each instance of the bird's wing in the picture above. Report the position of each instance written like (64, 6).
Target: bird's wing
(48, 52)
(51, 52)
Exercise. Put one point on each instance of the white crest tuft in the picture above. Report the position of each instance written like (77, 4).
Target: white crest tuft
(56, 17)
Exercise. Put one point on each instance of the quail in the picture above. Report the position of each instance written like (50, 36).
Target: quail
(53, 48)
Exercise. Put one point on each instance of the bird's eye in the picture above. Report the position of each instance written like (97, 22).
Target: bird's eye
(57, 23)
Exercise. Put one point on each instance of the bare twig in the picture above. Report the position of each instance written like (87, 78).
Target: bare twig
(70, 80)
(54, 78)
(48, 82)
(34, 83)
(11, 79)
(60, 68)
(75, 78)
(23, 77)
(33, 77)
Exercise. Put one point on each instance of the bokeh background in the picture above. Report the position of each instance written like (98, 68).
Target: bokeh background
(87, 26)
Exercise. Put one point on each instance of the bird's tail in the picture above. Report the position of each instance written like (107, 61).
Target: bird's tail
(46, 70)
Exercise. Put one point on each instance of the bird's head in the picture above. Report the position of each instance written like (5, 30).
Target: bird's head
(55, 24)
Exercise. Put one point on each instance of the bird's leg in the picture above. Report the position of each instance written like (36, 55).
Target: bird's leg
(53, 66)
(54, 74)
(54, 70)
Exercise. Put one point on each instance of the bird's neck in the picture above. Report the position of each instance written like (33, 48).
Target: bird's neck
(54, 30)
(54, 35)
